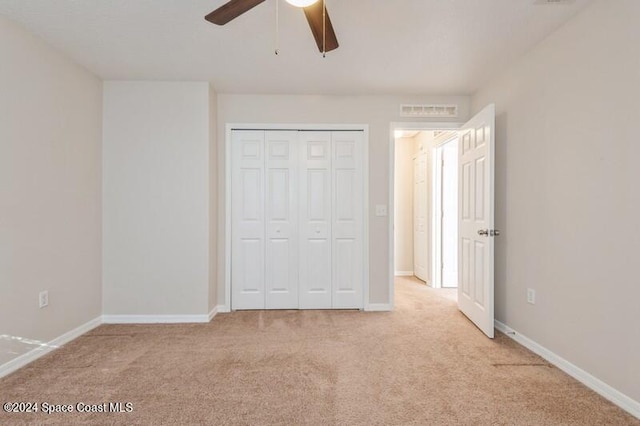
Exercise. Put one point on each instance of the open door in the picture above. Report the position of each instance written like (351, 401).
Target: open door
(420, 218)
(476, 219)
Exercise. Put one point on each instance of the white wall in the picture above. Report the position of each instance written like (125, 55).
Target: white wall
(403, 196)
(50, 233)
(568, 193)
(156, 198)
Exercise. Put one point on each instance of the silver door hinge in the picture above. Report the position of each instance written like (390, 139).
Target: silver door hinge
(489, 232)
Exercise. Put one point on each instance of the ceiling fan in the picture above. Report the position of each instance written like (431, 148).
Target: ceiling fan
(314, 10)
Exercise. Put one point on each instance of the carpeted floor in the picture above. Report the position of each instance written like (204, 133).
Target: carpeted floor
(423, 364)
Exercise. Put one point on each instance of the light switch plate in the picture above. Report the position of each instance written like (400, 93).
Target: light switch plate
(381, 210)
(531, 296)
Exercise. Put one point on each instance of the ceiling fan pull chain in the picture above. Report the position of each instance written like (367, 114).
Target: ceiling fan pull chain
(277, 28)
(324, 29)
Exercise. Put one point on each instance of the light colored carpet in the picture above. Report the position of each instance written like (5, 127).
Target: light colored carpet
(423, 364)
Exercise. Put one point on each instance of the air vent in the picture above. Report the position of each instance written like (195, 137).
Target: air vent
(441, 111)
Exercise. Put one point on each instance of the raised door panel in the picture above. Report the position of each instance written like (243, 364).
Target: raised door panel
(347, 224)
(315, 220)
(248, 224)
(281, 271)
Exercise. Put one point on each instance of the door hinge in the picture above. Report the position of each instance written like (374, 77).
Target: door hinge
(489, 232)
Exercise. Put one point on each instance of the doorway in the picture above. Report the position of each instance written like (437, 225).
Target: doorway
(476, 219)
(445, 213)
(425, 205)
(475, 194)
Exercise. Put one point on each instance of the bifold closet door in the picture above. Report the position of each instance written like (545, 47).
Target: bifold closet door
(248, 220)
(347, 219)
(297, 219)
(331, 219)
(281, 271)
(264, 266)
(315, 219)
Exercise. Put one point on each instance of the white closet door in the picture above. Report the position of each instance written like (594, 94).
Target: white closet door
(315, 219)
(281, 197)
(420, 216)
(347, 224)
(248, 221)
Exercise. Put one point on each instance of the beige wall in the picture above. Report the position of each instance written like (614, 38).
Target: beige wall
(403, 215)
(376, 111)
(568, 193)
(50, 233)
(156, 198)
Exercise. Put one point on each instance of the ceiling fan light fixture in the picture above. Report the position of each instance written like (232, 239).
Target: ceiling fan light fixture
(301, 3)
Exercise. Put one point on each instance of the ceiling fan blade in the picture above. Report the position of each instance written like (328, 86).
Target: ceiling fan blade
(231, 10)
(314, 16)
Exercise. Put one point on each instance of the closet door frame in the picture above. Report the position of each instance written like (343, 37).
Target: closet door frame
(225, 305)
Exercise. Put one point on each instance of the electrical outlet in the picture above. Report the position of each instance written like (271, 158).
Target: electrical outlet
(43, 298)
(531, 296)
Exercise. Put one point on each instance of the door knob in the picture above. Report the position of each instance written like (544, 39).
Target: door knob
(483, 232)
(494, 233)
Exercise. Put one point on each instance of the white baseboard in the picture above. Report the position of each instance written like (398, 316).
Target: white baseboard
(213, 313)
(156, 319)
(223, 309)
(45, 348)
(378, 307)
(403, 273)
(595, 384)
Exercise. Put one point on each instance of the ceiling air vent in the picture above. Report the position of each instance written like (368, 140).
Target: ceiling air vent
(431, 111)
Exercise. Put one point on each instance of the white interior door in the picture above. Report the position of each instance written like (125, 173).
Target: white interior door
(281, 197)
(476, 219)
(347, 225)
(315, 219)
(420, 217)
(248, 222)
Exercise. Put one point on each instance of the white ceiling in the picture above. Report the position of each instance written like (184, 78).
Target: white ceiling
(386, 47)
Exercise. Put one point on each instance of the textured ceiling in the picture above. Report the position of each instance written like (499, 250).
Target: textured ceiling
(386, 47)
